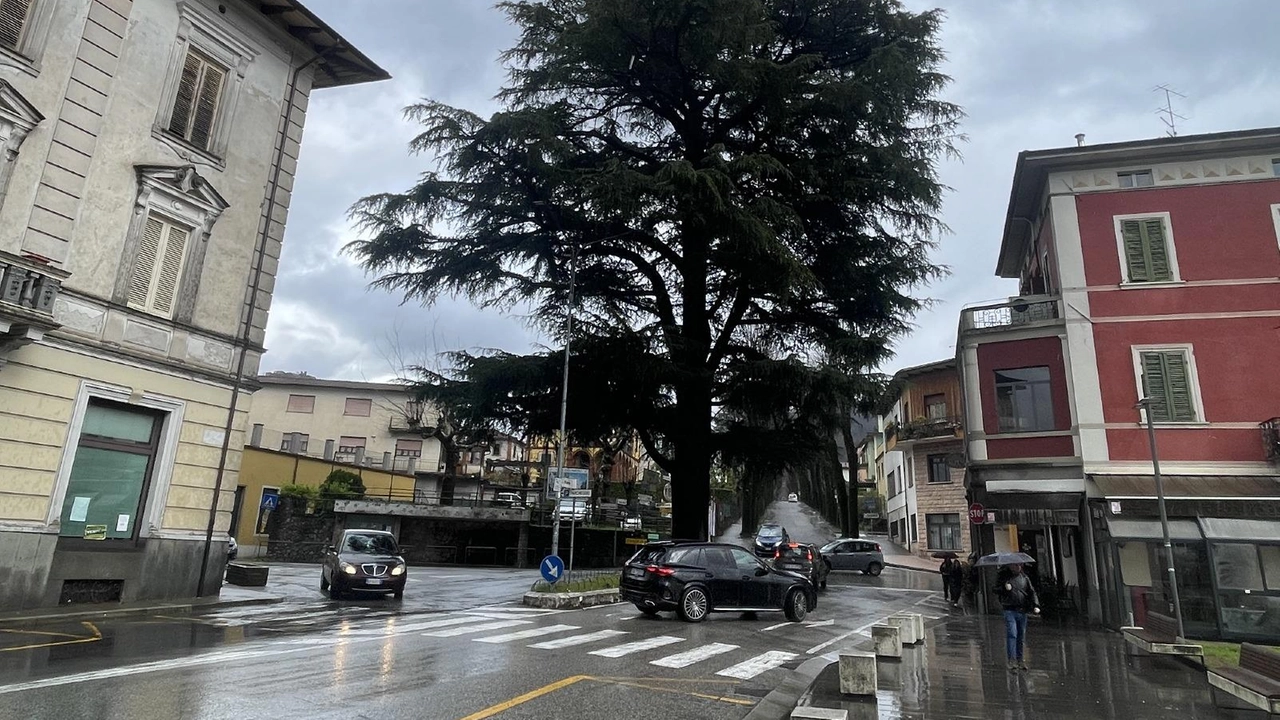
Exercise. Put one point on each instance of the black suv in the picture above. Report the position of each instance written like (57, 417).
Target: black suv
(696, 578)
(363, 561)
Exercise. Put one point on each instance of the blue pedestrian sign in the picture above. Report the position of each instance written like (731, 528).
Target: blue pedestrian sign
(269, 502)
(552, 568)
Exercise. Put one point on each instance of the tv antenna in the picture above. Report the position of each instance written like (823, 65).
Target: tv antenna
(1166, 113)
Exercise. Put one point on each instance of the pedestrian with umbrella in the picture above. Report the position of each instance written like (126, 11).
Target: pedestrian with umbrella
(1018, 597)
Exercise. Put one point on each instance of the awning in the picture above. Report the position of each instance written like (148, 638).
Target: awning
(1189, 487)
(1235, 529)
(1033, 501)
(1130, 529)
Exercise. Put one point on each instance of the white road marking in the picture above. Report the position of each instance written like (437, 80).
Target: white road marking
(482, 627)
(577, 640)
(526, 634)
(638, 646)
(838, 638)
(696, 655)
(775, 627)
(758, 664)
(411, 627)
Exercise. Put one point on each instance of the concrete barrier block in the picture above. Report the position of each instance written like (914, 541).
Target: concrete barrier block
(888, 640)
(857, 672)
(906, 628)
(809, 712)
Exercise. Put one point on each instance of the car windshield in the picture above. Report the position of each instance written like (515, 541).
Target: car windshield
(831, 546)
(793, 553)
(372, 544)
(769, 531)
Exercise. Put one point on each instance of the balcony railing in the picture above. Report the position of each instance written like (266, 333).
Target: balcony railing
(28, 289)
(1271, 438)
(929, 428)
(1015, 312)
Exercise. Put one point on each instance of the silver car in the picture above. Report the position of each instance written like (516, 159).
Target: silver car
(849, 554)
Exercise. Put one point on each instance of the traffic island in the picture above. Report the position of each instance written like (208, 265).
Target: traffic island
(570, 600)
(575, 591)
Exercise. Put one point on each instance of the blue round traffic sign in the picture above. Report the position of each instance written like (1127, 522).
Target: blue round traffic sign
(552, 568)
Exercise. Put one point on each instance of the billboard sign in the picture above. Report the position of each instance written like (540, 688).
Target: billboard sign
(574, 483)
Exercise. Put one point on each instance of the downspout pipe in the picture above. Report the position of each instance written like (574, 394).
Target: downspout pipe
(255, 284)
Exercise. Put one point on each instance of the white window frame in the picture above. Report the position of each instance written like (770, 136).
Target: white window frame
(1193, 376)
(1169, 240)
(1133, 174)
(35, 36)
(166, 450)
(202, 32)
(1275, 220)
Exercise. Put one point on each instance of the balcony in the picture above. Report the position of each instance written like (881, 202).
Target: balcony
(926, 428)
(1019, 312)
(28, 289)
(1271, 438)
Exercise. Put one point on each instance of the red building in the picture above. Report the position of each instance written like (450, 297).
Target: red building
(1148, 269)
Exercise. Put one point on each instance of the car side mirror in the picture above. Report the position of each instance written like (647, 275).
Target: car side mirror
(761, 571)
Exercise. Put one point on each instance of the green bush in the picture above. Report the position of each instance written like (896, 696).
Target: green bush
(306, 492)
(602, 582)
(342, 485)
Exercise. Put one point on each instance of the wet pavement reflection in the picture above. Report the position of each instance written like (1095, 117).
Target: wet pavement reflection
(960, 672)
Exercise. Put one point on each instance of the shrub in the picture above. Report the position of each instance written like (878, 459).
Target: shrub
(342, 485)
(306, 492)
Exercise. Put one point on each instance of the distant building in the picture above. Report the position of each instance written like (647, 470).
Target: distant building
(149, 152)
(1146, 269)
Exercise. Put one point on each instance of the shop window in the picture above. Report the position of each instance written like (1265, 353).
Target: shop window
(1024, 401)
(1135, 567)
(1237, 567)
(112, 471)
(1270, 565)
(944, 531)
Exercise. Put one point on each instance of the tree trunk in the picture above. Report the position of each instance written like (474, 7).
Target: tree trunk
(853, 513)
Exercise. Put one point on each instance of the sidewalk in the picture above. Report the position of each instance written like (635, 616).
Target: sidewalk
(895, 556)
(960, 672)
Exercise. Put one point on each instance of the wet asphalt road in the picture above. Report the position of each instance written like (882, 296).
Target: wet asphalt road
(458, 646)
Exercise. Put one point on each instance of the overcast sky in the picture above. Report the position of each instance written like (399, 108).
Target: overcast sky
(1029, 74)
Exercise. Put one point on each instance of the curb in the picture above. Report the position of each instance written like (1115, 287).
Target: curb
(900, 566)
(182, 607)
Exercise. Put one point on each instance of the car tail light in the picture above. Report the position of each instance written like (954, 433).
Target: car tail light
(661, 571)
(877, 547)
(777, 554)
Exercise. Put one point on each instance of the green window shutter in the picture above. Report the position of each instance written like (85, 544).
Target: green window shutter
(1153, 386)
(1157, 250)
(1135, 255)
(1178, 378)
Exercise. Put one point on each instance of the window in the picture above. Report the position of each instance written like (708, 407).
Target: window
(198, 99)
(303, 438)
(408, 448)
(893, 482)
(910, 472)
(157, 269)
(1024, 402)
(1167, 381)
(13, 22)
(1275, 167)
(745, 561)
(1146, 249)
(358, 407)
(266, 504)
(939, 472)
(1136, 178)
(935, 407)
(302, 404)
(111, 473)
(944, 531)
(915, 529)
(477, 456)
(348, 445)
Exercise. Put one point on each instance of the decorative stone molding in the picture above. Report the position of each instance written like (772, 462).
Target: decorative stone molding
(17, 118)
(29, 290)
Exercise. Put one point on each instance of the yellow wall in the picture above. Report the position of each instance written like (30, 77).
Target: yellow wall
(269, 468)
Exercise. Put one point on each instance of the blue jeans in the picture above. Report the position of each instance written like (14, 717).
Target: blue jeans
(1015, 633)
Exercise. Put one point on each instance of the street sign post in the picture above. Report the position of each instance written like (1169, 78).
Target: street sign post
(570, 483)
(977, 514)
(552, 568)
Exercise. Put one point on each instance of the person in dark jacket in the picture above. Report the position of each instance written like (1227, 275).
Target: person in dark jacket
(957, 574)
(1018, 597)
(950, 592)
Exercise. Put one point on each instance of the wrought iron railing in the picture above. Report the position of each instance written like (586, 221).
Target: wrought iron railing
(1015, 312)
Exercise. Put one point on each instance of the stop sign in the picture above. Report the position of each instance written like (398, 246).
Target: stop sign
(977, 514)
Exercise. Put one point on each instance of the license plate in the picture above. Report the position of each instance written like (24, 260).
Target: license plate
(635, 572)
(373, 581)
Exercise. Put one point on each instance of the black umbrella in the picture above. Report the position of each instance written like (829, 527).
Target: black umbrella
(1005, 558)
(947, 555)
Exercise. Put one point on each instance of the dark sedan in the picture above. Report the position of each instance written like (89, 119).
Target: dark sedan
(698, 578)
(768, 538)
(365, 561)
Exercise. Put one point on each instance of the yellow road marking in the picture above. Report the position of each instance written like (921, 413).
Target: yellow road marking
(97, 635)
(522, 699)
(44, 633)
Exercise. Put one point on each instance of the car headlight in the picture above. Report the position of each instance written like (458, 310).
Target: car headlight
(397, 570)
(348, 568)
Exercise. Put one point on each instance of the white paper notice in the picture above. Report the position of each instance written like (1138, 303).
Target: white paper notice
(122, 523)
(79, 509)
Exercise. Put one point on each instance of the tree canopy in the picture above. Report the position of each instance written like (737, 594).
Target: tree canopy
(738, 184)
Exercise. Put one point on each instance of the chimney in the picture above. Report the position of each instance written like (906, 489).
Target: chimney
(1079, 139)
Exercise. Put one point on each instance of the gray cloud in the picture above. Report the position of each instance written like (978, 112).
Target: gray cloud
(1029, 74)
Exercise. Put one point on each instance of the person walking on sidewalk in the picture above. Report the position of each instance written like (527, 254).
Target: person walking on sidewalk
(950, 589)
(1018, 597)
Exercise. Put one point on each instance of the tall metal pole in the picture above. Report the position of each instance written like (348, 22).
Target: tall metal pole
(564, 412)
(1164, 517)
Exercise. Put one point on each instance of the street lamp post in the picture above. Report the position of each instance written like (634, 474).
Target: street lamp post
(1145, 405)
